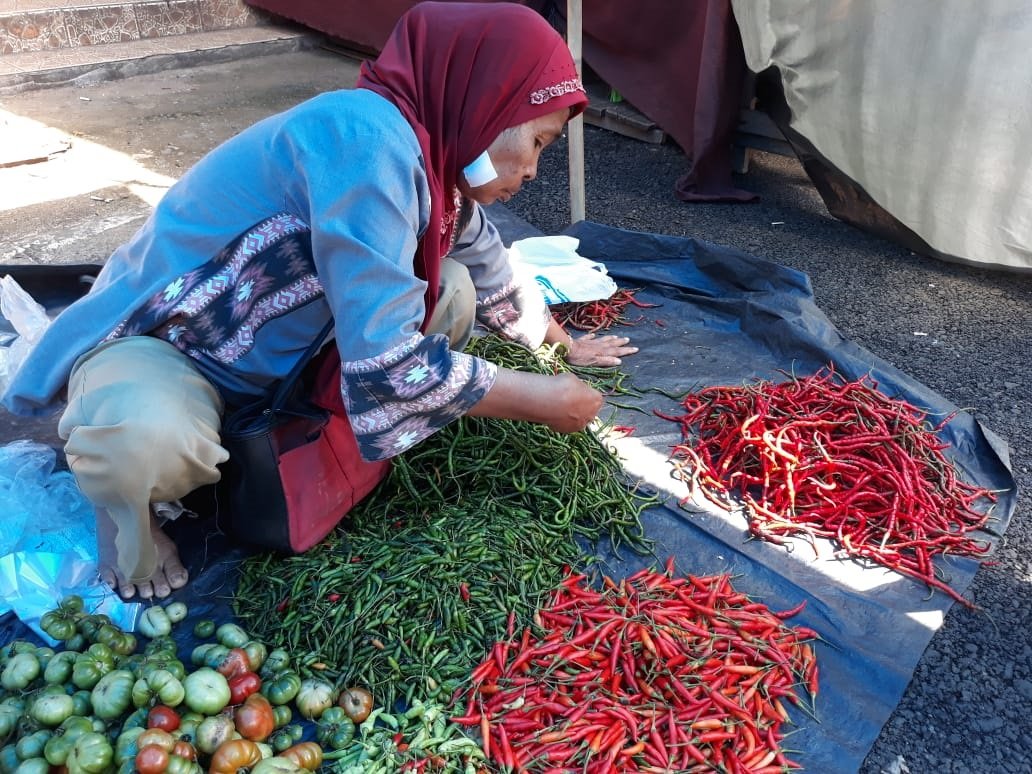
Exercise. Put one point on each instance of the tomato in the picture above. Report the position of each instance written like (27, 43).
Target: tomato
(63, 739)
(231, 635)
(335, 729)
(162, 739)
(176, 611)
(32, 746)
(112, 694)
(234, 663)
(277, 661)
(81, 703)
(9, 760)
(212, 732)
(9, 715)
(58, 625)
(91, 665)
(307, 755)
(169, 663)
(161, 685)
(76, 642)
(243, 685)
(165, 718)
(92, 754)
(126, 745)
(161, 647)
(90, 625)
(207, 691)
(52, 709)
(135, 719)
(20, 670)
(283, 688)
(234, 755)
(71, 604)
(154, 622)
(256, 654)
(151, 759)
(184, 750)
(33, 766)
(277, 765)
(120, 642)
(357, 703)
(280, 740)
(188, 723)
(59, 669)
(282, 714)
(254, 719)
(204, 629)
(314, 697)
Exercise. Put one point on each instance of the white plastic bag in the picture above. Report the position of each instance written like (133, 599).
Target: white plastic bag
(561, 273)
(28, 318)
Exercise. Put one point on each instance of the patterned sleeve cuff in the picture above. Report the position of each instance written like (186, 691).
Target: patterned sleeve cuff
(516, 314)
(397, 399)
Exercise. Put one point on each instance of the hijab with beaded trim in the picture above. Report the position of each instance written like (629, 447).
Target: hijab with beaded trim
(462, 73)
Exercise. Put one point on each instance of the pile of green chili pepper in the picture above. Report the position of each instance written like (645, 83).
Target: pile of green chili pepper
(468, 532)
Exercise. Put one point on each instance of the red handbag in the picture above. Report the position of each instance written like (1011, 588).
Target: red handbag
(294, 470)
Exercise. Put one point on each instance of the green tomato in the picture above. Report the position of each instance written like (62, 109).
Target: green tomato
(59, 669)
(282, 715)
(71, 604)
(60, 744)
(283, 688)
(20, 670)
(33, 766)
(9, 760)
(58, 625)
(256, 654)
(212, 732)
(112, 694)
(231, 635)
(207, 692)
(314, 697)
(31, 746)
(277, 765)
(9, 715)
(335, 729)
(161, 647)
(204, 629)
(277, 661)
(176, 611)
(52, 709)
(167, 687)
(91, 665)
(82, 704)
(154, 622)
(92, 754)
(75, 643)
(125, 745)
(122, 643)
(90, 625)
(166, 663)
(280, 740)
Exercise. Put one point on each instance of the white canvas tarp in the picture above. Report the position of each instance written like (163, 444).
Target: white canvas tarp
(925, 104)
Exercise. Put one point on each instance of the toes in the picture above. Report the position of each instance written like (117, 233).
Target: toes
(176, 574)
(160, 585)
(145, 589)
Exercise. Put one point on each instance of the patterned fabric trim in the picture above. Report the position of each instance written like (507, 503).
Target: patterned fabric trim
(503, 311)
(541, 96)
(401, 397)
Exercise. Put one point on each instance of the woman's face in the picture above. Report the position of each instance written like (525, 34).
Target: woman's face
(514, 155)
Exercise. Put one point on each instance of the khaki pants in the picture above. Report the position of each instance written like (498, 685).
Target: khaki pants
(142, 424)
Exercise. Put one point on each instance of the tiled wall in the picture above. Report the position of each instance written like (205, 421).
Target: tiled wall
(28, 25)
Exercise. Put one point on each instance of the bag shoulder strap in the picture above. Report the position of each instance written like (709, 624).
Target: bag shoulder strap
(279, 398)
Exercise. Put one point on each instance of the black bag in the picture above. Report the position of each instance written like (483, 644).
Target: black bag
(294, 470)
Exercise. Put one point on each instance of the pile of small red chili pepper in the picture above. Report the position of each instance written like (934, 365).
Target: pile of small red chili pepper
(654, 674)
(594, 316)
(824, 457)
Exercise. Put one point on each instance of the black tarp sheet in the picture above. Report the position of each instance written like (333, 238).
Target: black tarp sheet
(726, 317)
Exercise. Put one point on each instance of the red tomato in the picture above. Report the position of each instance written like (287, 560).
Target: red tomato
(243, 685)
(235, 663)
(151, 759)
(165, 718)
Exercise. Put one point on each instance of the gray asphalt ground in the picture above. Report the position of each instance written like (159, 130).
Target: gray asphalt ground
(967, 708)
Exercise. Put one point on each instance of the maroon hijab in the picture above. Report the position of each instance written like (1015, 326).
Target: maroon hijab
(461, 73)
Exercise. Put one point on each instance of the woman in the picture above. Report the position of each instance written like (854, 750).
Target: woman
(353, 206)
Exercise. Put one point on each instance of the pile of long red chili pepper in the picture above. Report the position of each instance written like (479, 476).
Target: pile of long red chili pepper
(594, 316)
(654, 674)
(824, 457)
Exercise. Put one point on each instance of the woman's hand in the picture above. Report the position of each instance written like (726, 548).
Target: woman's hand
(592, 350)
(562, 402)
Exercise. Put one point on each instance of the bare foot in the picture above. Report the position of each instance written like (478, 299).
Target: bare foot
(169, 574)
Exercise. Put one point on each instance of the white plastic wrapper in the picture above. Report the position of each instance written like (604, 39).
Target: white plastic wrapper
(562, 274)
(33, 583)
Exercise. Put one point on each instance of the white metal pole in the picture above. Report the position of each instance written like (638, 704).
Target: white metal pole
(575, 129)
